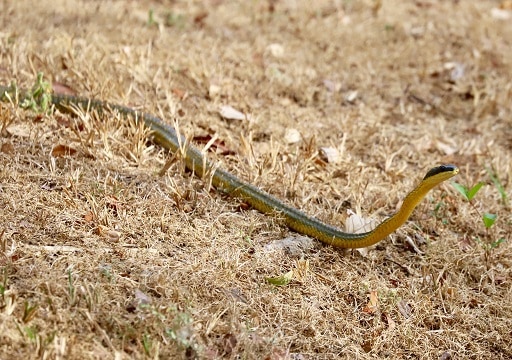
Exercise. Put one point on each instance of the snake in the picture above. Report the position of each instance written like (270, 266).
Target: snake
(166, 136)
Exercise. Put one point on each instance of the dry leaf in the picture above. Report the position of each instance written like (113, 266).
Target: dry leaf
(21, 130)
(179, 93)
(62, 150)
(330, 155)
(391, 322)
(213, 90)
(89, 217)
(216, 144)
(292, 136)
(60, 88)
(236, 294)
(230, 113)
(142, 298)
(281, 280)
(450, 292)
(373, 304)
(331, 85)
(7, 148)
(38, 118)
(457, 70)
(404, 309)
(500, 14)
(276, 50)
(351, 96)
(367, 345)
(199, 19)
(112, 235)
(356, 224)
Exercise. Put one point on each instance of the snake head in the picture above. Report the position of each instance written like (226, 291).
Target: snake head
(448, 170)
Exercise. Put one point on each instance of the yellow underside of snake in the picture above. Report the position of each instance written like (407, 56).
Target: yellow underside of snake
(165, 136)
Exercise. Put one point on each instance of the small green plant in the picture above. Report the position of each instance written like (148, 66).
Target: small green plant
(170, 19)
(181, 330)
(31, 333)
(39, 99)
(29, 312)
(71, 288)
(488, 219)
(147, 344)
(3, 284)
(468, 193)
(151, 18)
(173, 19)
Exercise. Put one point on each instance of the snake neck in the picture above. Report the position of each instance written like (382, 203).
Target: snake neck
(409, 204)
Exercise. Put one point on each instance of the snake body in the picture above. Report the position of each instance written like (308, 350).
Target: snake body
(167, 137)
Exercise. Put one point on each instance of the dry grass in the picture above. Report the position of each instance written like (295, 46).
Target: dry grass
(100, 257)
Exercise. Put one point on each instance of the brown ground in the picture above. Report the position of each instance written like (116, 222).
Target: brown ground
(100, 257)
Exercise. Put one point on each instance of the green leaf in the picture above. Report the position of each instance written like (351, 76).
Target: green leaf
(461, 189)
(29, 312)
(151, 18)
(39, 98)
(497, 243)
(489, 219)
(281, 280)
(472, 192)
(146, 344)
(468, 194)
(31, 333)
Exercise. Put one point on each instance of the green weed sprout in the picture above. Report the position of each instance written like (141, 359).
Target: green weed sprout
(488, 219)
(39, 99)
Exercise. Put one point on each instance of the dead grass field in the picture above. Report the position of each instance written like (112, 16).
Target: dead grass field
(100, 257)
